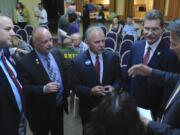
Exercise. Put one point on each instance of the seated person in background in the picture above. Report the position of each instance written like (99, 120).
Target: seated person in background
(19, 48)
(129, 28)
(77, 43)
(115, 26)
(115, 115)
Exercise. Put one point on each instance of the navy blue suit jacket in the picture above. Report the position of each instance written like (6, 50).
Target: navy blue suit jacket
(9, 112)
(42, 109)
(85, 78)
(147, 95)
(170, 124)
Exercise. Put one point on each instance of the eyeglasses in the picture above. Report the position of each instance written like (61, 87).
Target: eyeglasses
(154, 30)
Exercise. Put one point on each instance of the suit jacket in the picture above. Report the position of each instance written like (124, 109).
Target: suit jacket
(42, 109)
(150, 95)
(170, 123)
(9, 112)
(85, 78)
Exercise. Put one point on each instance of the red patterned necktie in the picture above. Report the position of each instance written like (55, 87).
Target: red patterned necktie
(146, 56)
(97, 66)
(16, 82)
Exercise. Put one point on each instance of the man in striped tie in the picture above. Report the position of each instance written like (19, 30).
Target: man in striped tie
(169, 123)
(43, 78)
(12, 121)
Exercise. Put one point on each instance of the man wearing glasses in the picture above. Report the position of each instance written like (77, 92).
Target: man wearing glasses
(154, 52)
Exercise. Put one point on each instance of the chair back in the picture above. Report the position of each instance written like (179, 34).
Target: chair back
(113, 35)
(125, 45)
(23, 34)
(110, 43)
(16, 28)
(29, 29)
(130, 37)
(104, 29)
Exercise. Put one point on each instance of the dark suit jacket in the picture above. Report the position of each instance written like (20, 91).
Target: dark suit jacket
(9, 112)
(85, 78)
(170, 124)
(147, 95)
(42, 109)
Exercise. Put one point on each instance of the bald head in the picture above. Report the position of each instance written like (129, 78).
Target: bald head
(42, 40)
(76, 39)
(6, 31)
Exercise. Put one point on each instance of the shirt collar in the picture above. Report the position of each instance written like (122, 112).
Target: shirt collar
(154, 45)
(93, 55)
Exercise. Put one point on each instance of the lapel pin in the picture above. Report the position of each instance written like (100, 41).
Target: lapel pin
(87, 62)
(159, 53)
(37, 61)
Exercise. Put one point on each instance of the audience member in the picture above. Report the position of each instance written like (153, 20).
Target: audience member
(77, 43)
(93, 73)
(44, 80)
(85, 19)
(155, 53)
(91, 6)
(42, 16)
(115, 26)
(21, 15)
(12, 120)
(74, 25)
(100, 16)
(169, 124)
(129, 28)
(116, 115)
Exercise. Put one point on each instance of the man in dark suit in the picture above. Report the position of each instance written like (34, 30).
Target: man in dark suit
(43, 79)
(170, 124)
(154, 52)
(96, 73)
(11, 103)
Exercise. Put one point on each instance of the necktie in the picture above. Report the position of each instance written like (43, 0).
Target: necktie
(16, 82)
(51, 73)
(52, 76)
(97, 66)
(146, 56)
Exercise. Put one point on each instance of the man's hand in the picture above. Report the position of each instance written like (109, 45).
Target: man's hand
(51, 87)
(139, 69)
(107, 89)
(97, 91)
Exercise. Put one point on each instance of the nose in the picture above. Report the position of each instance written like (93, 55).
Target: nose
(12, 33)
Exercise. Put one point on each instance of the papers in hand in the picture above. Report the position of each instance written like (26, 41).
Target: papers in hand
(145, 113)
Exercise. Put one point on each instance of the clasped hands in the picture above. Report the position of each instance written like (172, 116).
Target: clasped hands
(101, 90)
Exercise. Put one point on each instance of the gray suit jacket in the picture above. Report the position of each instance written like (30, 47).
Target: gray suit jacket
(171, 116)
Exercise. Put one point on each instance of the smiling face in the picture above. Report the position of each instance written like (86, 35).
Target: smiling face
(6, 31)
(152, 30)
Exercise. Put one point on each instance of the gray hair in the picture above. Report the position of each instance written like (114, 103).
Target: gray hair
(154, 15)
(91, 29)
(174, 26)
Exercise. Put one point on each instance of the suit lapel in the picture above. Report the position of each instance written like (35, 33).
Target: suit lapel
(177, 96)
(6, 86)
(140, 52)
(90, 67)
(39, 67)
(156, 56)
(105, 66)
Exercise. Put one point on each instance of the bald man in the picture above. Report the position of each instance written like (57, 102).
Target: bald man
(11, 103)
(42, 75)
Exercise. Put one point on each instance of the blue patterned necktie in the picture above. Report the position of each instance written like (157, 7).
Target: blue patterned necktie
(52, 76)
(51, 73)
